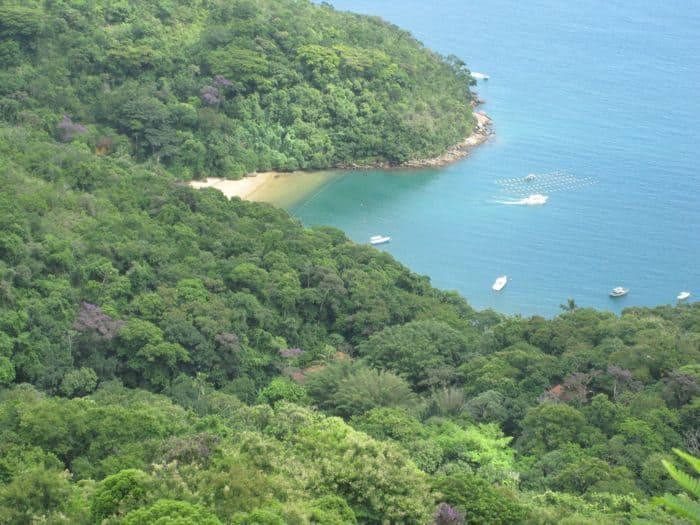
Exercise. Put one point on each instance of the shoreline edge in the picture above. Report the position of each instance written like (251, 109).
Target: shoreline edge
(247, 186)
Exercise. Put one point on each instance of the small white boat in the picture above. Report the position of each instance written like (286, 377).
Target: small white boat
(619, 291)
(530, 177)
(536, 199)
(683, 296)
(500, 283)
(379, 239)
(479, 76)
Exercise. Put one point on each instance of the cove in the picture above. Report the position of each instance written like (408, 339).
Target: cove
(598, 98)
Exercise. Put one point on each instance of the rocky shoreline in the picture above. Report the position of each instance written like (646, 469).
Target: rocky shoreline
(481, 134)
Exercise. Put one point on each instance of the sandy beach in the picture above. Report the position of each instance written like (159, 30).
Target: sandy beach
(275, 187)
(243, 188)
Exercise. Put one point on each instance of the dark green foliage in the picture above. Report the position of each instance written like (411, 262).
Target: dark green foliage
(185, 293)
(139, 317)
(425, 352)
(206, 89)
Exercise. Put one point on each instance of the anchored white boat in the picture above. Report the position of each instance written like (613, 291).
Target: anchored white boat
(379, 239)
(683, 296)
(619, 291)
(500, 283)
(530, 177)
(479, 76)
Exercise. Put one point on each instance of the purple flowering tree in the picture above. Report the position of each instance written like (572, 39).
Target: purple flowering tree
(222, 82)
(70, 129)
(210, 96)
(228, 340)
(93, 321)
(213, 95)
(291, 352)
(447, 515)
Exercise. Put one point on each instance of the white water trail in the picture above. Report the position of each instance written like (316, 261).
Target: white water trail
(536, 199)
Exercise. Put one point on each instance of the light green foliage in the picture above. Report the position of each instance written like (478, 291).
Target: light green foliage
(389, 423)
(40, 492)
(79, 382)
(119, 493)
(556, 507)
(282, 389)
(687, 505)
(377, 479)
(483, 449)
(332, 510)
(167, 512)
(258, 517)
(7, 371)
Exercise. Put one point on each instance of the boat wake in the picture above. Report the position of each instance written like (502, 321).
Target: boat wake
(536, 199)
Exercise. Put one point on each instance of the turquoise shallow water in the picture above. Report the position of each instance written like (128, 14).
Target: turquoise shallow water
(598, 97)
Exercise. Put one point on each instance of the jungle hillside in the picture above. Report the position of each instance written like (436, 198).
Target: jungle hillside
(169, 356)
(228, 87)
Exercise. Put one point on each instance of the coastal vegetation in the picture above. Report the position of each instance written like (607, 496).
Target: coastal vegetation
(228, 87)
(170, 356)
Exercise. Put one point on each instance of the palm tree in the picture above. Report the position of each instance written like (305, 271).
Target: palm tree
(686, 506)
(570, 305)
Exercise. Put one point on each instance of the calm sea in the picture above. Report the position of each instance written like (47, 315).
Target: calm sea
(601, 100)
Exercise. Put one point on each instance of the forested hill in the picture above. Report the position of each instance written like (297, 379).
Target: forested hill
(223, 87)
(169, 356)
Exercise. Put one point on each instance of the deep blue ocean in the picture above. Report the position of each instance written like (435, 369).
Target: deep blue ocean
(600, 99)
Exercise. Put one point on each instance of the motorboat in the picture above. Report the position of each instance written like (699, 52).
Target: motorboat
(535, 199)
(379, 239)
(530, 177)
(479, 76)
(619, 291)
(500, 283)
(683, 296)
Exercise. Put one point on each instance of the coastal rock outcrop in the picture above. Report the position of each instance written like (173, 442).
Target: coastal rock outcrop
(482, 131)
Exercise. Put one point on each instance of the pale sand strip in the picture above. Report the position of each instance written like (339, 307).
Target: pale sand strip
(247, 187)
(242, 188)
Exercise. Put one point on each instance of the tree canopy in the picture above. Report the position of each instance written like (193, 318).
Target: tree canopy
(171, 356)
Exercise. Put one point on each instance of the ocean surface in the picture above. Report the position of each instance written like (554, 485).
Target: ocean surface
(601, 100)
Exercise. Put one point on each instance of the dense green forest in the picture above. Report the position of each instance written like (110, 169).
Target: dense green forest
(169, 356)
(219, 87)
